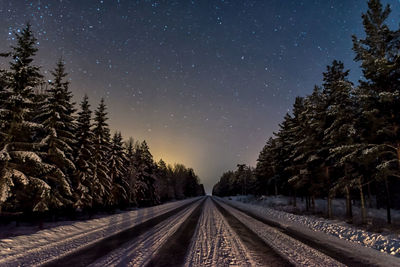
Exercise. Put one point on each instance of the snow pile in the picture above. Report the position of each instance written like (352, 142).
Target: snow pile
(50, 244)
(389, 243)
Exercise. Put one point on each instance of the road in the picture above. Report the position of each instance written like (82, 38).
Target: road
(199, 232)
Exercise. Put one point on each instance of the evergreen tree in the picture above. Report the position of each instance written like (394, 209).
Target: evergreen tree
(339, 125)
(56, 115)
(379, 93)
(83, 182)
(131, 173)
(146, 175)
(117, 171)
(162, 182)
(101, 141)
(24, 175)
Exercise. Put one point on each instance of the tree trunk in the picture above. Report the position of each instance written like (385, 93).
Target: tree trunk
(362, 200)
(369, 196)
(294, 199)
(329, 206)
(313, 204)
(349, 211)
(388, 214)
(276, 188)
(307, 203)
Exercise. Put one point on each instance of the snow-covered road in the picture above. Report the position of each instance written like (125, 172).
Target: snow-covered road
(51, 244)
(214, 242)
(139, 252)
(194, 232)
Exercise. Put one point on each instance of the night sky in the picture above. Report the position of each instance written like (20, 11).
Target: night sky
(205, 83)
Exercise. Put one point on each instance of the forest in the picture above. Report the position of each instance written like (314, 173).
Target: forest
(56, 158)
(342, 140)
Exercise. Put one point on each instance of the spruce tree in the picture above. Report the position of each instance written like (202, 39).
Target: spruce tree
(101, 142)
(162, 182)
(56, 115)
(83, 182)
(117, 170)
(24, 175)
(146, 175)
(131, 173)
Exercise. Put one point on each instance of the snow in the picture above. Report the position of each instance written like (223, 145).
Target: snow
(293, 250)
(139, 251)
(385, 242)
(49, 244)
(215, 243)
(336, 234)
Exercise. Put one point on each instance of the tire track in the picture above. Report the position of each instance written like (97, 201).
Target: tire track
(298, 253)
(215, 243)
(96, 250)
(174, 250)
(257, 247)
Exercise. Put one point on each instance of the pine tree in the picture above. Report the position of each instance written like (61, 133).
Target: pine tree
(131, 173)
(56, 115)
(340, 131)
(101, 141)
(146, 175)
(83, 182)
(23, 175)
(117, 171)
(162, 181)
(379, 93)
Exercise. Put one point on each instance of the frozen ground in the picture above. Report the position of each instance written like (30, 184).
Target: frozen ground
(48, 244)
(337, 231)
(215, 243)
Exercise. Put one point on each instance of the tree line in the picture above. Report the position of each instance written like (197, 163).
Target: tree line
(56, 157)
(342, 139)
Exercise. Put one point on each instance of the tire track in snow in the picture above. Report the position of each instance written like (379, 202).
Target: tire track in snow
(293, 250)
(140, 250)
(99, 248)
(173, 252)
(52, 244)
(215, 243)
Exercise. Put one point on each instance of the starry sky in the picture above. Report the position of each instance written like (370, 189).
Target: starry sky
(205, 83)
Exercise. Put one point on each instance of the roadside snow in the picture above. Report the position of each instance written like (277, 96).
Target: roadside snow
(139, 251)
(49, 244)
(283, 203)
(293, 250)
(388, 243)
(215, 243)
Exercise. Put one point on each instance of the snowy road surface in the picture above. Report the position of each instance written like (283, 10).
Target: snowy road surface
(194, 232)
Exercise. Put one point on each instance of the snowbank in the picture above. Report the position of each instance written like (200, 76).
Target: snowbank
(388, 243)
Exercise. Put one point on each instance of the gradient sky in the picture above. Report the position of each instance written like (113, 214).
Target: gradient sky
(205, 83)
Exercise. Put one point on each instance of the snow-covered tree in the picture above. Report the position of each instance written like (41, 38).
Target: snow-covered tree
(101, 141)
(145, 175)
(56, 115)
(24, 176)
(339, 125)
(162, 181)
(379, 93)
(131, 174)
(117, 170)
(83, 181)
